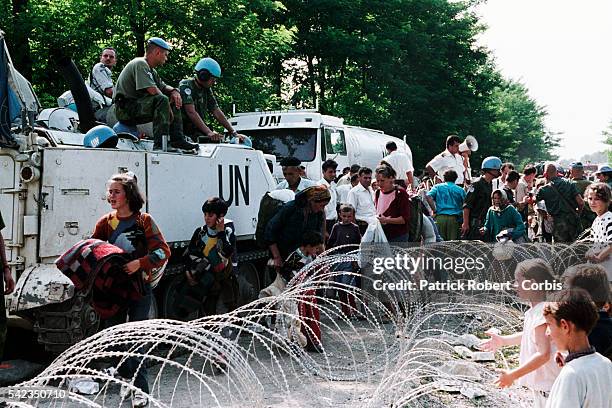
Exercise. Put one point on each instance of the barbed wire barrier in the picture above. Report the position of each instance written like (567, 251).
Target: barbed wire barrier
(378, 347)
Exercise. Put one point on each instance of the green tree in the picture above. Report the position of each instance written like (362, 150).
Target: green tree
(518, 126)
(608, 140)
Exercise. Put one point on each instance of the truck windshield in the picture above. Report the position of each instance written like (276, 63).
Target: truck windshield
(299, 142)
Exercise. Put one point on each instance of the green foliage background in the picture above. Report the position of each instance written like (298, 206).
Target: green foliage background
(408, 67)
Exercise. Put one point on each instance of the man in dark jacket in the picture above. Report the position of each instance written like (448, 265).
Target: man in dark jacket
(286, 228)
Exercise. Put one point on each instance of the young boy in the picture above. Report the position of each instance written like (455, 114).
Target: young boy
(346, 232)
(593, 279)
(586, 376)
(537, 369)
(210, 256)
(311, 246)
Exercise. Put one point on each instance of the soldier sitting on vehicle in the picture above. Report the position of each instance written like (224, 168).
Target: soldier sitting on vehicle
(198, 98)
(141, 96)
(101, 81)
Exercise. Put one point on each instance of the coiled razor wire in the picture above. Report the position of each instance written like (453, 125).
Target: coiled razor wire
(395, 349)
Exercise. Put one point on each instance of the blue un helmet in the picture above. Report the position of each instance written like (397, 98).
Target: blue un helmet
(160, 43)
(100, 136)
(207, 67)
(491, 163)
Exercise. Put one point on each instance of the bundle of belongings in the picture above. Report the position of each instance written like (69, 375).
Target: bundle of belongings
(97, 265)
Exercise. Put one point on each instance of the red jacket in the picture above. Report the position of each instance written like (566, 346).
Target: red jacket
(399, 207)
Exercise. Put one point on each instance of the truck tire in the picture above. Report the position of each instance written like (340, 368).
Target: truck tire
(168, 293)
(249, 283)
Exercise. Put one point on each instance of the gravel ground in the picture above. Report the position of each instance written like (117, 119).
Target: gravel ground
(280, 381)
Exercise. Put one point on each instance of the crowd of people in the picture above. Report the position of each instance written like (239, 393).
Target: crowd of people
(566, 344)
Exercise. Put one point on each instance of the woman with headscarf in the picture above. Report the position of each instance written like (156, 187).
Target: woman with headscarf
(286, 228)
(502, 216)
(392, 205)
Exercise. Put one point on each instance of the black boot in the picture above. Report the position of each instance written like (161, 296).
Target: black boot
(184, 145)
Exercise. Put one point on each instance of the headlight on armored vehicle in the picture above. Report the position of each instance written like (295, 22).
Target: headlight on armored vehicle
(29, 174)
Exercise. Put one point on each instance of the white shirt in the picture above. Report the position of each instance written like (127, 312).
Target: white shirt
(400, 162)
(330, 209)
(363, 201)
(346, 179)
(522, 190)
(101, 78)
(497, 184)
(448, 161)
(543, 378)
(429, 235)
(342, 192)
(304, 184)
(583, 382)
(601, 234)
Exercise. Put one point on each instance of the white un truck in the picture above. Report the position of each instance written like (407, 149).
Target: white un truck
(314, 138)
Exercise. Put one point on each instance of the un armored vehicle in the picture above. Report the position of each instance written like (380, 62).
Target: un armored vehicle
(53, 189)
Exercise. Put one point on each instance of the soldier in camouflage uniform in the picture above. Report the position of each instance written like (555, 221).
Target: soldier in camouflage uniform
(581, 183)
(198, 99)
(478, 199)
(7, 284)
(564, 203)
(141, 96)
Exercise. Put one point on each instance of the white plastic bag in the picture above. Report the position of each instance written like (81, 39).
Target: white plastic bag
(374, 233)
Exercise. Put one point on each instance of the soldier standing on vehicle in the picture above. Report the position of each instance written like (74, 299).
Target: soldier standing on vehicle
(141, 96)
(198, 98)
(293, 181)
(478, 199)
(7, 285)
(450, 159)
(564, 203)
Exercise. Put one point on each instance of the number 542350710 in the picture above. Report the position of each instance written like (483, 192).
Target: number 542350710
(31, 393)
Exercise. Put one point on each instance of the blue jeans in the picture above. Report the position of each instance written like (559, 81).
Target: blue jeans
(345, 279)
(136, 311)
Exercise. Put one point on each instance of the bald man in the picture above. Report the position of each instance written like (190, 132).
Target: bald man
(564, 202)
